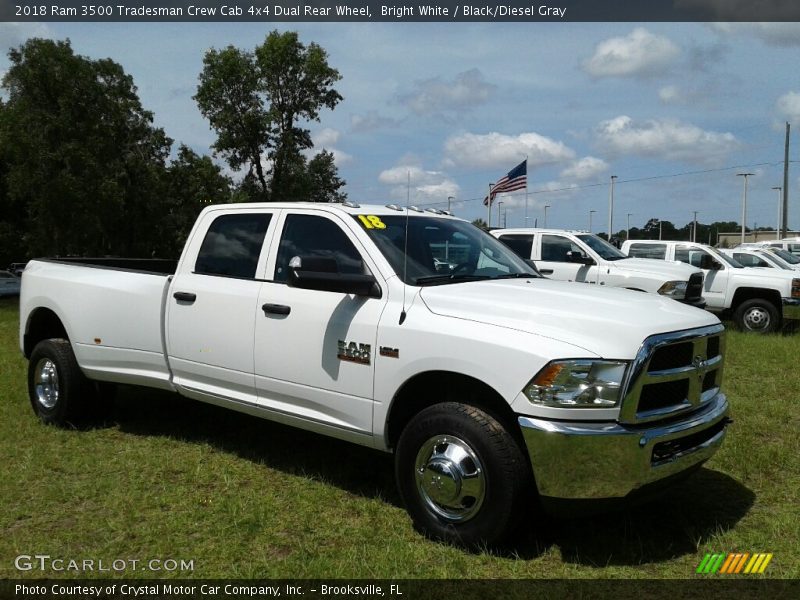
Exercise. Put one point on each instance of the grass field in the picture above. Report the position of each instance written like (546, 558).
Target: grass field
(166, 478)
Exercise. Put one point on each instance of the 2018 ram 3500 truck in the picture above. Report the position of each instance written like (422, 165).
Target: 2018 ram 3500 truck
(486, 380)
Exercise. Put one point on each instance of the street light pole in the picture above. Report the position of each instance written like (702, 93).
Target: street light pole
(449, 198)
(744, 201)
(628, 230)
(611, 206)
(694, 226)
(780, 211)
(591, 212)
(499, 204)
(546, 206)
(659, 229)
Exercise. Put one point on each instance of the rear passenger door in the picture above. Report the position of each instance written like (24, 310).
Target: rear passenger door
(520, 243)
(212, 306)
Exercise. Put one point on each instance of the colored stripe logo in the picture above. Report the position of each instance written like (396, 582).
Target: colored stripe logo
(734, 563)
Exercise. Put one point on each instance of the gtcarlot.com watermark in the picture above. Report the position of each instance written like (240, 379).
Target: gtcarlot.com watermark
(45, 562)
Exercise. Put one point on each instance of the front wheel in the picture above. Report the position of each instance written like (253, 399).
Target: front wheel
(462, 475)
(757, 315)
(57, 387)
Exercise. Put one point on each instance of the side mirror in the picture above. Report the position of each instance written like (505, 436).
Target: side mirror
(579, 257)
(322, 274)
(709, 263)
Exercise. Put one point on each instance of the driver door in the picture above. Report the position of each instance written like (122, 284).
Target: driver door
(555, 264)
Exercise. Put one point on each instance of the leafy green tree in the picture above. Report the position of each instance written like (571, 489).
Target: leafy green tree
(256, 102)
(85, 163)
(480, 223)
(192, 183)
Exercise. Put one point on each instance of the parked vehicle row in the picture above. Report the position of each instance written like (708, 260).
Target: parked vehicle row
(757, 299)
(408, 331)
(583, 257)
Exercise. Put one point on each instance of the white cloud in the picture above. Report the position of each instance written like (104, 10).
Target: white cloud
(641, 53)
(670, 94)
(585, 168)
(496, 150)
(325, 139)
(788, 106)
(425, 186)
(436, 95)
(666, 139)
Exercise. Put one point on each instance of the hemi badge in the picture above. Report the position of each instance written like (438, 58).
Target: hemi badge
(390, 352)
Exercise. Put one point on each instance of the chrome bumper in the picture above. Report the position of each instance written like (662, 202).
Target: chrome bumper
(791, 308)
(584, 460)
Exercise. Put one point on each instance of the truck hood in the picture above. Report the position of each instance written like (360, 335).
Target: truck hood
(669, 271)
(776, 276)
(610, 323)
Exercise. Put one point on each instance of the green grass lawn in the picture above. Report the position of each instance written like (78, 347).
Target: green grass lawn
(242, 497)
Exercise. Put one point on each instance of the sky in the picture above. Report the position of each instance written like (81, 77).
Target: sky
(673, 110)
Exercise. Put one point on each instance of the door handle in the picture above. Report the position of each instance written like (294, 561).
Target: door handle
(185, 297)
(546, 271)
(276, 309)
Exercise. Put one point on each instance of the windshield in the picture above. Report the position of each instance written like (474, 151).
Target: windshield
(787, 256)
(440, 251)
(731, 261)
(602, 247)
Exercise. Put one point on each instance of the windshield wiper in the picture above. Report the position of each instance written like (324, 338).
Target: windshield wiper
(436, 279)
(517, 276)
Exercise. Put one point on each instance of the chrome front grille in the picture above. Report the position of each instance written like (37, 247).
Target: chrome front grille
(674, 373)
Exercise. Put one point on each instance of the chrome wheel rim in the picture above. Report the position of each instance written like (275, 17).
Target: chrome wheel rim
(450, 478)
(757, 319)
(45, 383)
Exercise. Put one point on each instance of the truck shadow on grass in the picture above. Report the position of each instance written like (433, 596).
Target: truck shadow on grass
(673, 524)
(357, 469)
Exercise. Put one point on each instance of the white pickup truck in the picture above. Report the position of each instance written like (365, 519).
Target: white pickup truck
(757, 299)
(486, 380)
(583, 257)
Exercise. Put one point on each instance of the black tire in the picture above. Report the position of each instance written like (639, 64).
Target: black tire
(59, 392)
(486, 511)
(757, 315)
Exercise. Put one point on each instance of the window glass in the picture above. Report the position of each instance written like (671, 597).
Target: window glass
(555, 248)
(313, 236)
(521, 244)
(749, 260)
(435, 251)
(602, 247)
(658, 251)
(232, 245)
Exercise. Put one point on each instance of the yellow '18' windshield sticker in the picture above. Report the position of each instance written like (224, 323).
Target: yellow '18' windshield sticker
(371, 222)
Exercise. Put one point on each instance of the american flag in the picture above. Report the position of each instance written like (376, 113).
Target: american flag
(516, 179)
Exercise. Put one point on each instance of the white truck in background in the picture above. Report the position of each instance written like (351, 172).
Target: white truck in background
(583, 257)
(758, 300)
(486, 380)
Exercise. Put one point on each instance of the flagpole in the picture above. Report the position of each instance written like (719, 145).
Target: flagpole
(489, 208)
(526, 190)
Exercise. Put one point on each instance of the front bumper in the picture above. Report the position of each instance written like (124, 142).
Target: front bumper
(791, 308)
(585, 460)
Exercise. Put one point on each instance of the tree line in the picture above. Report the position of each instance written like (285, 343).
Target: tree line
(84, 170)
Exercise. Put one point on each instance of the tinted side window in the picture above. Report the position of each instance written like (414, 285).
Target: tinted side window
(555, 248)
(658, 251)
(521, 244)
(313, 236)
(689, 255)
(232, 245)
(748, 260)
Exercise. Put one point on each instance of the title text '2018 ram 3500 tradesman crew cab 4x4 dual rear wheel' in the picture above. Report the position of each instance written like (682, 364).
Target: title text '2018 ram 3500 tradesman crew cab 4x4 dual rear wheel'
(408, 331)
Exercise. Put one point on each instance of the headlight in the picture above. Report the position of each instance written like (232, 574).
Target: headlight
(578, 384)
(674, 289)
